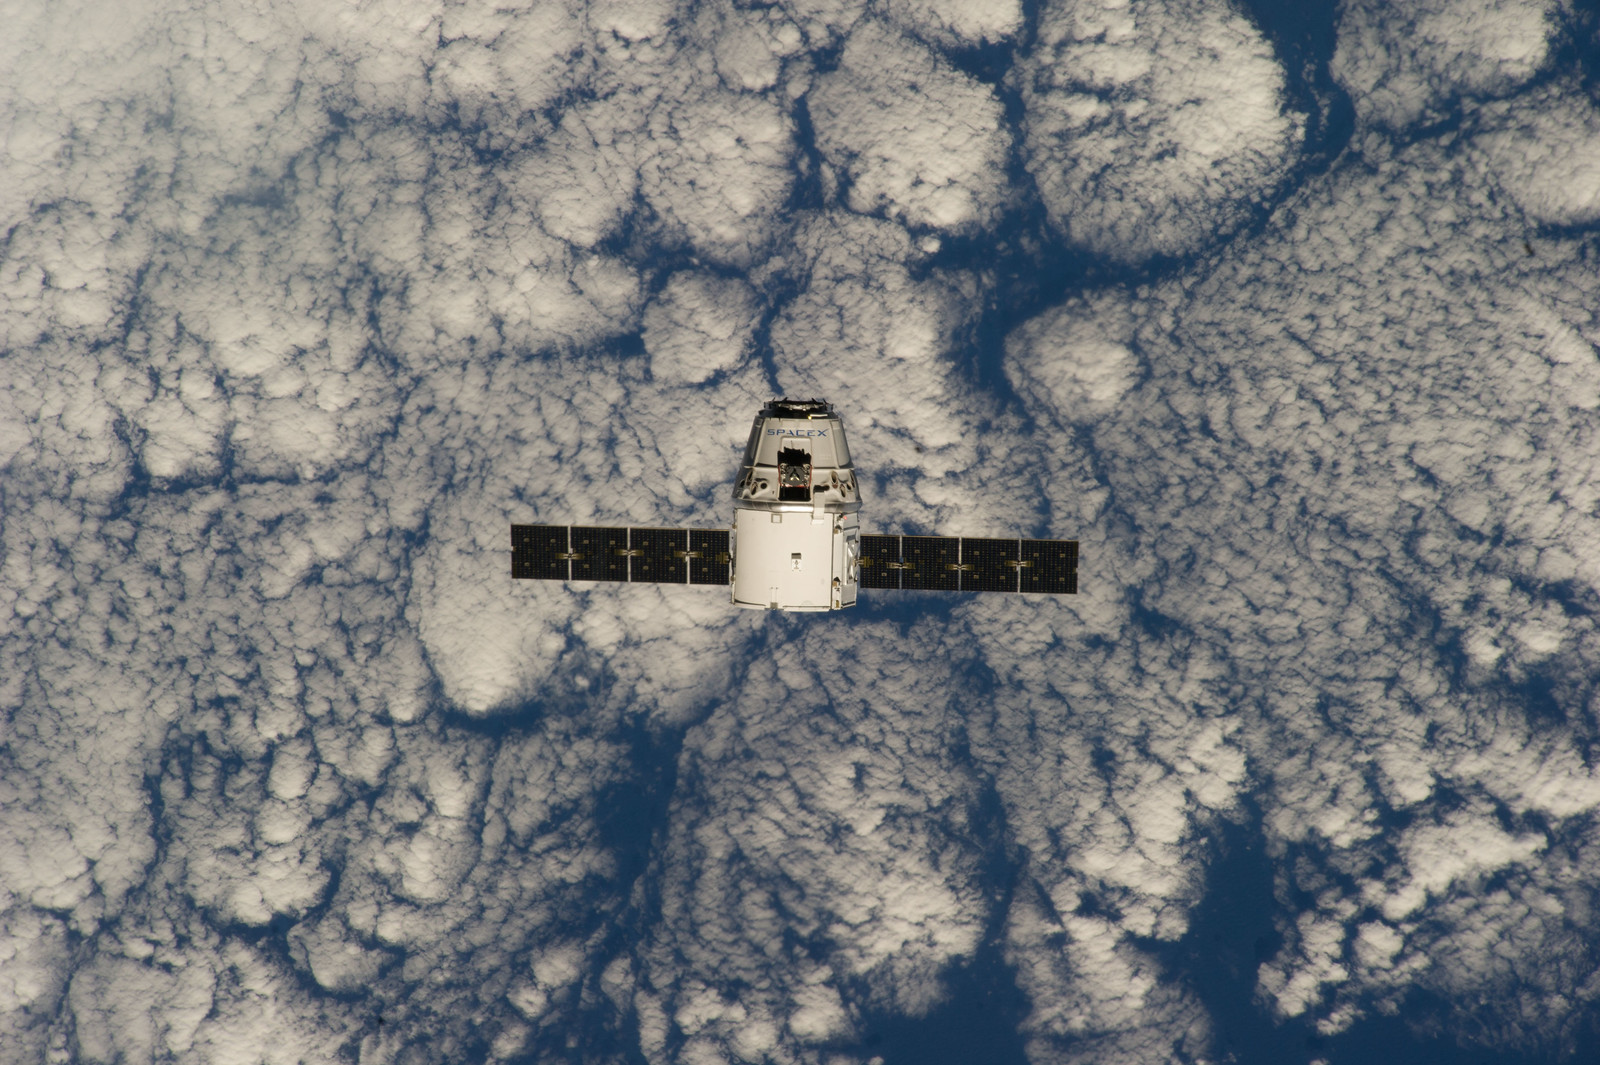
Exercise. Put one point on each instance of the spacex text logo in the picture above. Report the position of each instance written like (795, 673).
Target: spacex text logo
(797, 432)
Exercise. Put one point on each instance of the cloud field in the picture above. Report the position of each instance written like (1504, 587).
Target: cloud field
(301, 306)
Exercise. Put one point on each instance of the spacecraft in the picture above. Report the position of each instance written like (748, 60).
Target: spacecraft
(796, 541)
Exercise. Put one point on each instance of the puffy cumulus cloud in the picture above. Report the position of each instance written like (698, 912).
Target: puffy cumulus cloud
(948, 24)
(581, 181)
(717, 169)
(67, 269)
(872, 314)
(267, 360)
(245, 239)
(700, 325)
(236, 267)
(749, 45)
(1405, 63)
(1152, 128)
(572, 442)
(121, 129)
(822, 857)
(1479, 892)
(185, 113)
(909, 135)
(957, 23)
(246, 294)
(456, 886)
(1077, 360)
(1544, 147)
(36, 959)
(149, 653)
(1488, 902)
(825, 22)
(302, 308)
(1370, 502)
(143, 998)
(1116, 761)
(497, 68)
(1098, 997)
(712, 164)
(479, 275)
(58, 433)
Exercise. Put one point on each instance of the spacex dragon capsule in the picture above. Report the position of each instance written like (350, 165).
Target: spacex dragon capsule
(796, 542)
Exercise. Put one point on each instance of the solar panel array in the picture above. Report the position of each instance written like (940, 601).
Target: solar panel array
(602, 553)
(700, 556)
(969, 564)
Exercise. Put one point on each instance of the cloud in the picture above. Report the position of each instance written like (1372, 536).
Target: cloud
(1114, 776)
(909, 135)
(958, 23)
(141, 1000)
(564, 437)
(221, 657)
(821, 856)
(302, 308)
(36, 957)
(1077, 359)
(580, 182)
(716, 167)
(749, 45)
(1364, 451)
(700, 325)
(1545, 149)
(869, 312)
(1153, 128)
(497, 68)
(1403, 64)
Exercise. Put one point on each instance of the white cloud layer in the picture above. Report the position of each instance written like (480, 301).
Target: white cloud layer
(1344, 472)
(910, 136)
(1153, 127)
(1402, 63)
(1545, 149)
(301, 307)
(958, 23)
(825, 885)
(1077, 360)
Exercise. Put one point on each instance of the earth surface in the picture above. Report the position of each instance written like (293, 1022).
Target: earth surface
(1286, 312)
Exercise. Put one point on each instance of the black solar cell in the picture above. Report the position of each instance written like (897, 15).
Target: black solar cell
(880, 562)
(657, 556)
(984, 565)
(708, 556)
(1050, 566)
(538, 552)
(930, 563)
(599, 553)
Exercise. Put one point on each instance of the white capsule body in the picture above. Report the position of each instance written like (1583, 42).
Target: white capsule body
(795, 512)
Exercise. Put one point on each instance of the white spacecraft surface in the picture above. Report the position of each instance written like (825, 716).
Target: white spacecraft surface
(796, 541)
